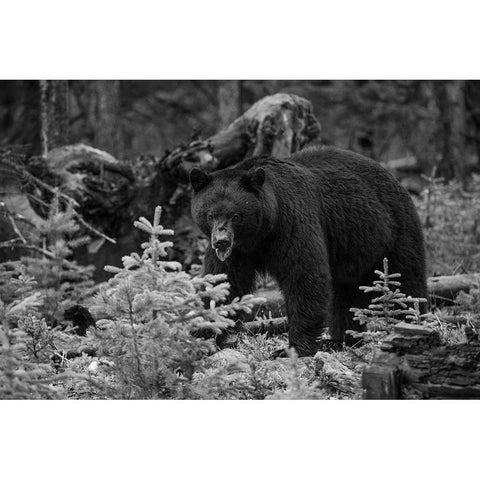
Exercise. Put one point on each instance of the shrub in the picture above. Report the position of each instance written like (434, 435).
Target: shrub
(34, 292)
(388, 307)
(24, 342)
(149, 314)
(60, 281)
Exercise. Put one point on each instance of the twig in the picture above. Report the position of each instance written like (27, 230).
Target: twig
(18, 242)
(15, 216)
(15, 228)
(9, 243)
(93, 229)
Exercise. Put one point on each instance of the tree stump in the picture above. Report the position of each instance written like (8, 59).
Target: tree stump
(412, 363)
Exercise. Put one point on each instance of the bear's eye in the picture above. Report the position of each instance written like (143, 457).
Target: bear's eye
(236, 217)
(209, 217)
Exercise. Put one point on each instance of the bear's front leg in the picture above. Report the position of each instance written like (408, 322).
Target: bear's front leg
(305, 281)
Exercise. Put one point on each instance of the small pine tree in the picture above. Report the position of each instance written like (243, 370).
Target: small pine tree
(34, 292)
(24, 341)
(21, 378)
(148, 312)
(60, 281)
(388, 307)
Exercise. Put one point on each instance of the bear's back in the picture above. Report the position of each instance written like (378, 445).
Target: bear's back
(363, 206)
(330, 164)
(328, 159)
(331, 175)
(342, 172)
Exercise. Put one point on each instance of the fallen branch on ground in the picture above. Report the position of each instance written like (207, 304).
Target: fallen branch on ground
(446, 288)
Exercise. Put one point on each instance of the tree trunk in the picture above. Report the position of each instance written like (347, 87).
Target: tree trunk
(472, 102)
(451, 103)
(53, 114)
(104, 115)
(229, 101)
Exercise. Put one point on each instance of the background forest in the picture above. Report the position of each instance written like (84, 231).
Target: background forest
(435, 121)
(84, 317)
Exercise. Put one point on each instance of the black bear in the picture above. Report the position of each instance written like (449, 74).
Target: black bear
(320, 223)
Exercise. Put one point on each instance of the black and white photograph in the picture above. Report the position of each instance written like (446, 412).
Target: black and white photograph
(240, 239)
(207, 208)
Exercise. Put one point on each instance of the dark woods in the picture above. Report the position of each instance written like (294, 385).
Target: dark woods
(435, 121)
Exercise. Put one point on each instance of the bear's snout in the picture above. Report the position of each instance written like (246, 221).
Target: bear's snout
(222, 242)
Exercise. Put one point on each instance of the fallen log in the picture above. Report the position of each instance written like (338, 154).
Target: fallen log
(270, 325)
(408, 164)
(277, 125)
(441, 290)
(411, 363)
(460, 320)
(445, 288)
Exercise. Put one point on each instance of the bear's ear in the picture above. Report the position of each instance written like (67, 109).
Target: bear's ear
(199, 179)
(254, 180)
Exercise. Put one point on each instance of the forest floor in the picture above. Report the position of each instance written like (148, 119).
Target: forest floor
(246, 368)
(248, 371)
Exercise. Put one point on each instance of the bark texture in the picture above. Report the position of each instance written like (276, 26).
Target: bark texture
(451, 103)
(54, 114)
(104, 115)
(411, 363)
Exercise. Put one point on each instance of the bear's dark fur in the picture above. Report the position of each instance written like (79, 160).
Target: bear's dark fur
(320, 223)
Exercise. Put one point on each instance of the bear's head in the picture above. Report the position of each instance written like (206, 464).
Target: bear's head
(228, 206)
